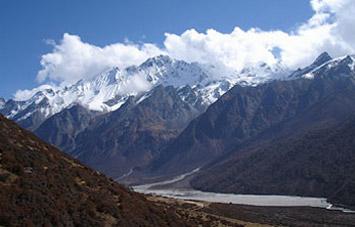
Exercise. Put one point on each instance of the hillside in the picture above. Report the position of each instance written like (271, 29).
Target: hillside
(62, 128)
(318, 163)
(119, 141)
(109, 90)
(245, 114)
(41, 186)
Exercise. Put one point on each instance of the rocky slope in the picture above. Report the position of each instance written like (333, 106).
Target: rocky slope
(138, 109)
(109, 90)
(293, 137)
(41, 186)
(322, 96)
(320, 162)
(62, 128)
(131, 136)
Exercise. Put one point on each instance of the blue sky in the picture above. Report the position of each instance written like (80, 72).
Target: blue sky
(26, 25)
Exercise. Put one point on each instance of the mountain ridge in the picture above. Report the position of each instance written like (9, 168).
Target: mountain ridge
(127, 138)
(319, 162)
(245, 112)
(134, 120)
(108, 90)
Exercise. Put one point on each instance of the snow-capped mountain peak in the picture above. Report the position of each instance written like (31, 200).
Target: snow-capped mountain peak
(157, 61)
(109, 90)
(344, 65)
(322, 58)
(170, 72)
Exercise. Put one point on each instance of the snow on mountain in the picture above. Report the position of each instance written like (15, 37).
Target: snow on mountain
(198, 84)
(345, 64)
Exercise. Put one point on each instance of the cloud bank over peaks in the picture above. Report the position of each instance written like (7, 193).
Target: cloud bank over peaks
(331, 29)
(72, 59)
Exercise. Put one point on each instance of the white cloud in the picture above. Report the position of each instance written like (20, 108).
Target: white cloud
(331, 28)
(22, 95)
(234, 50)
(72, 59)
(137, 83)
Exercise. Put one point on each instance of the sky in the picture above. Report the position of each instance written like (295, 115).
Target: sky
(62, 41)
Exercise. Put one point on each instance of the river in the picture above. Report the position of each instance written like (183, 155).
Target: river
(242, 199)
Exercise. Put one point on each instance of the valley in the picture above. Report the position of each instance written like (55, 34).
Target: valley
(268, 146)
(258, 216)
(180, 188)
(177, 113)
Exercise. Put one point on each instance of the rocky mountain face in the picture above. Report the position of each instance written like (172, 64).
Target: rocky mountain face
(41, 186)
(246, 115)
(155, 119)
(131, 136)
(27, 114)
(319, 162)
(138, 109)
(62, 128)
(320, 60)
(292, 137)
(109, 90)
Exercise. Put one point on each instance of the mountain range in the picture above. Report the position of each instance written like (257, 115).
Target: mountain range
(279, 107)
(289, 137)
(138, 109)
(167, 117)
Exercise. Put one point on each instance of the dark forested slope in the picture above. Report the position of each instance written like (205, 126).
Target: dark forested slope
(318, 163)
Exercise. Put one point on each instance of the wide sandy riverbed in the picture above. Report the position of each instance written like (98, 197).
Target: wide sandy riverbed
(165, 188)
